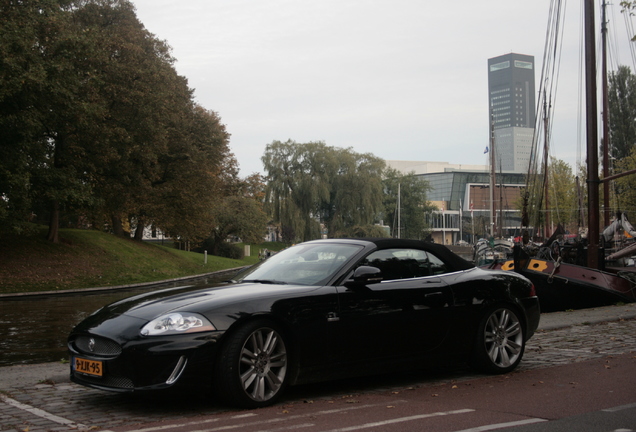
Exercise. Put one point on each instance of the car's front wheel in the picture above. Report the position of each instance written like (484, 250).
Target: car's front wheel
(500, 342)
(252, 369)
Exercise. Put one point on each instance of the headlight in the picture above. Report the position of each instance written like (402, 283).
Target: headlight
(176, 323)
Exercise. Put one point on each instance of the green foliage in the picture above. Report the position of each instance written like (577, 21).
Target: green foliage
(221, 248)
(365, 231)
(627, 185)
(562, 199)
(313, 183)
(622, 109)
(96, 124)
(563, 194)
(235, 216)
(628, 7)
(413, 204)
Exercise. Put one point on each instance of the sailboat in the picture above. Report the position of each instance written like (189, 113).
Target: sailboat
(562, 285)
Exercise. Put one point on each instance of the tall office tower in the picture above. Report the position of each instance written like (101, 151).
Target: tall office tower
(511, 98)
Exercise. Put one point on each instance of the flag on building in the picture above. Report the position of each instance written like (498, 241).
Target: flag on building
(486, 151)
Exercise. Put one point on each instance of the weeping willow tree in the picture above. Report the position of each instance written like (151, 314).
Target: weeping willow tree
(313, 186)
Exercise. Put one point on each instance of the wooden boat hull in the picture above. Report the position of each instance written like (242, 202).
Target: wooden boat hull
(563, 286)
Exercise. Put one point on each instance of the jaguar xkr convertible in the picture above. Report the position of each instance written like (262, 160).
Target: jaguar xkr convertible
(316, 311)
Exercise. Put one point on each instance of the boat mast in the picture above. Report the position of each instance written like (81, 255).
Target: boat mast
(592, 136)
(547, 233)
(606, 186)
(492, 174)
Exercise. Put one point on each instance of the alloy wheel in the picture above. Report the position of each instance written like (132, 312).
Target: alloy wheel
(263, 364)
(503, 338)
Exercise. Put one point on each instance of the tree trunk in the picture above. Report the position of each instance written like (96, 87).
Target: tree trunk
(118, 229)
(54, 223)
(139, 231)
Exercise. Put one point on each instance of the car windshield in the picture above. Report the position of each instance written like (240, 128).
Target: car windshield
(304, 264)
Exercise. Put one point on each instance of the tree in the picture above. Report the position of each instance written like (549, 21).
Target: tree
(358, 231)
(45, 105)
(413, 204)
(156, 138)
(622, 109)
(237, 216)
(629, 7)
(312, 183)
(563, 194)
(627, 185)
(355, 191)
(562, 200)
(95, 121)
(253, 186)
(191, 180)
(296, 184)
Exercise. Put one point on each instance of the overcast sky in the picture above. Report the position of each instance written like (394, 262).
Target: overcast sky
(402, 79)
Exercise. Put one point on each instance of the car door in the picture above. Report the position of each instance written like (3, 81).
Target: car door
(406, 314)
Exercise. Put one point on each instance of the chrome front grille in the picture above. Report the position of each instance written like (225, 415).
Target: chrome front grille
(97, 346)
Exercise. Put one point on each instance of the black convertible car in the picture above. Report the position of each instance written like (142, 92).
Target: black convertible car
(319, 310)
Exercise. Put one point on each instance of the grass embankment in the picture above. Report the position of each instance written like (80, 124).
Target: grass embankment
(86, 259)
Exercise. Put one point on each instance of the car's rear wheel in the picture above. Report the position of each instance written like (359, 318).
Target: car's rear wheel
(252, 369)
(500, 342)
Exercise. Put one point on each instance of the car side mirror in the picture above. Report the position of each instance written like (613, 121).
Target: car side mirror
(364, 275)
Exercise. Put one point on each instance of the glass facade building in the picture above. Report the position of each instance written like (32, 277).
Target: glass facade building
(465, 198)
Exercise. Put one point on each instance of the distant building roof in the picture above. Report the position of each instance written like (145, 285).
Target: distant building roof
(425, 167)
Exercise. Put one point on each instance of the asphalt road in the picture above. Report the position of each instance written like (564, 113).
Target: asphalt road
(578, 374)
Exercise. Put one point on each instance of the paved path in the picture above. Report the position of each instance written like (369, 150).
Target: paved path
(37, 398)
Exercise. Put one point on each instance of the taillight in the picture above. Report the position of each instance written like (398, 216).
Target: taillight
(533, 292)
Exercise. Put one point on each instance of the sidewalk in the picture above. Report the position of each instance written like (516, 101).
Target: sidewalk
(12, 377)
(556, 320)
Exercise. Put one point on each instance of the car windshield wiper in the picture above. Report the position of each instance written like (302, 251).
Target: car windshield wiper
(265, 281)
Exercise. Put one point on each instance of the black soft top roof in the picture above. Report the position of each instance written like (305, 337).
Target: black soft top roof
(441, 251)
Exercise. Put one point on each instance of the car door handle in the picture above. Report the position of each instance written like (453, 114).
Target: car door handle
(332, 317)
(432, 295)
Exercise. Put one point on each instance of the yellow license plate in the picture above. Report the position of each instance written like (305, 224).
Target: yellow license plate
(89, 367)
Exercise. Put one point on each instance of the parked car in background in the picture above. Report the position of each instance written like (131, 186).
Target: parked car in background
(319, 310)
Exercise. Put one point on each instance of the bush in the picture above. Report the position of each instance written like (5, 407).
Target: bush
(227, 250)
(362, 231)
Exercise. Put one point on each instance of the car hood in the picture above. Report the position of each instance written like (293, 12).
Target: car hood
(197, 299)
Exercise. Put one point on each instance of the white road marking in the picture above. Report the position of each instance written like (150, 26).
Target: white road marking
(401, 420)
(172, 426)
(292, 427)
(41, 413)
(503, 425)
(620, 408)
(258, 422)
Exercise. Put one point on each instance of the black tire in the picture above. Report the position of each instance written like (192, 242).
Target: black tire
(253, 366)
(500, 341)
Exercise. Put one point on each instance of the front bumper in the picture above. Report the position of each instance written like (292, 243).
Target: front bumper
(144, 363)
